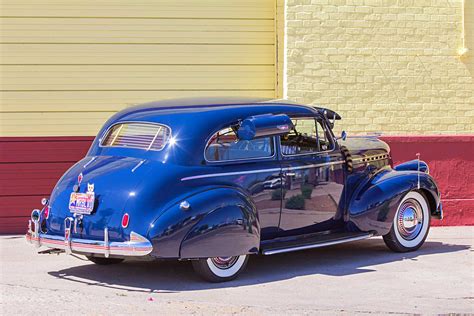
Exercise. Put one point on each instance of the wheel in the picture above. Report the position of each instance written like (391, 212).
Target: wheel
(104, 261)
(411, 224)
(220, 269)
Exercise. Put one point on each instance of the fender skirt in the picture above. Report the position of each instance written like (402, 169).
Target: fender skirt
(373, 206)
(227, 231)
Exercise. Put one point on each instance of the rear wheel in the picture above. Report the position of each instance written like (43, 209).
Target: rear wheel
(220, 269)
(104, 261)
(411, 224)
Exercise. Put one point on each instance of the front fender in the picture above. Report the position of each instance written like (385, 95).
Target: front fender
(174, 225)
(375, 202)
(413, 165)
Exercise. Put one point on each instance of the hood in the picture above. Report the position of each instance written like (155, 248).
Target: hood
(365, 146)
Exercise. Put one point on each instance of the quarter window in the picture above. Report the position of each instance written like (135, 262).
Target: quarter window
(224, 146)
(308, 136)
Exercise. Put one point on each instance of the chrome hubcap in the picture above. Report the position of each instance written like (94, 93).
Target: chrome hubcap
(410, 219)
(224, 262)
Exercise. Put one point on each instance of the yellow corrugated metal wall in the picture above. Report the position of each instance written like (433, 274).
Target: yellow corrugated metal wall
(67, 65)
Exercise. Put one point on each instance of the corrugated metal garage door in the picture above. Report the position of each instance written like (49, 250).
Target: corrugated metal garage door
(67, 65)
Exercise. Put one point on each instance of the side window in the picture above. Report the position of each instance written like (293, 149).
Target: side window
(224, 145)
(324, 143)
(308, 136)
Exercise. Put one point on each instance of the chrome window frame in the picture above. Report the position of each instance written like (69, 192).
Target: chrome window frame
(104, 134)
(327, 131)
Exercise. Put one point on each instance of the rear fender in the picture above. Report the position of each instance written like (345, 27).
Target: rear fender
(231, 230)
(374, 204)
(231, 210)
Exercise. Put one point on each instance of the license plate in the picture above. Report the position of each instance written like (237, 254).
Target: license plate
(81, 203)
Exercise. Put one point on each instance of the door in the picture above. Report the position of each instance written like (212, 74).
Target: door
(253, 166)
(313, 178)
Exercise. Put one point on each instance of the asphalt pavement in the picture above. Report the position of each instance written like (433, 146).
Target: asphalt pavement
(361, 277)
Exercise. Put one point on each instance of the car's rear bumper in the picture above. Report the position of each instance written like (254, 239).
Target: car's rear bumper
(137, 246)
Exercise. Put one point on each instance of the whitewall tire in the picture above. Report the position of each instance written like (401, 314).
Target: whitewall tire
(411, 223)
(220, 269)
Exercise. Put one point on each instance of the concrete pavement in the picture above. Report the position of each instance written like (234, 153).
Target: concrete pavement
(357, 278)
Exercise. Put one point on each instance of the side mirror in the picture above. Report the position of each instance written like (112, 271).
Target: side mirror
(343, 136)
(264, 125)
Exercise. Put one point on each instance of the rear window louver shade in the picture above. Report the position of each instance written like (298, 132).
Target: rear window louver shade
(137, 135)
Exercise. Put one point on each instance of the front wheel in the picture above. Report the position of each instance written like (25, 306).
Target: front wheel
(220, 269)
(411, 224)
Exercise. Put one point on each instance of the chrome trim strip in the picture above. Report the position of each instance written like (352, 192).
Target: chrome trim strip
(137, 246)
(371, 158)
(223, 174)
(138, 165)
(318, 245)
(236, 173)
(332, 163)
(90, 161)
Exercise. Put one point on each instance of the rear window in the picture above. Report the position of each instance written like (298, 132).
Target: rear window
(146, 136)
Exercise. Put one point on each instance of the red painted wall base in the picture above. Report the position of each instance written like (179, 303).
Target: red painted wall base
(31, 166)
(451, 162)
(29, 170)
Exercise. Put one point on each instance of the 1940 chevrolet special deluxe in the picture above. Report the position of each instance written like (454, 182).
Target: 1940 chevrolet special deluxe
(214, 181)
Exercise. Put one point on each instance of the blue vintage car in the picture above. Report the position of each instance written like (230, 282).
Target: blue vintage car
(217, 180)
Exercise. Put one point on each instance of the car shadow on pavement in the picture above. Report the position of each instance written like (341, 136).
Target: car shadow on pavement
(174, 276)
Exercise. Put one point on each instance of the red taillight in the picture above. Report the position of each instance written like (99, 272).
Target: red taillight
(46, 211)
(125, 220)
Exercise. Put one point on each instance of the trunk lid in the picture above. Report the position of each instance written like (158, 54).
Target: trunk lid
(114, 180)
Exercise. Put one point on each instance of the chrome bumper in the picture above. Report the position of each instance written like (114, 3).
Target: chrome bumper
(136, 247)
(440, 214)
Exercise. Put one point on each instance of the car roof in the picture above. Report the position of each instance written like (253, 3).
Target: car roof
(171, 106)
(192, 119)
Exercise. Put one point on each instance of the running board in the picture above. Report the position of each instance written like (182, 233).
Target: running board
(319, 244)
